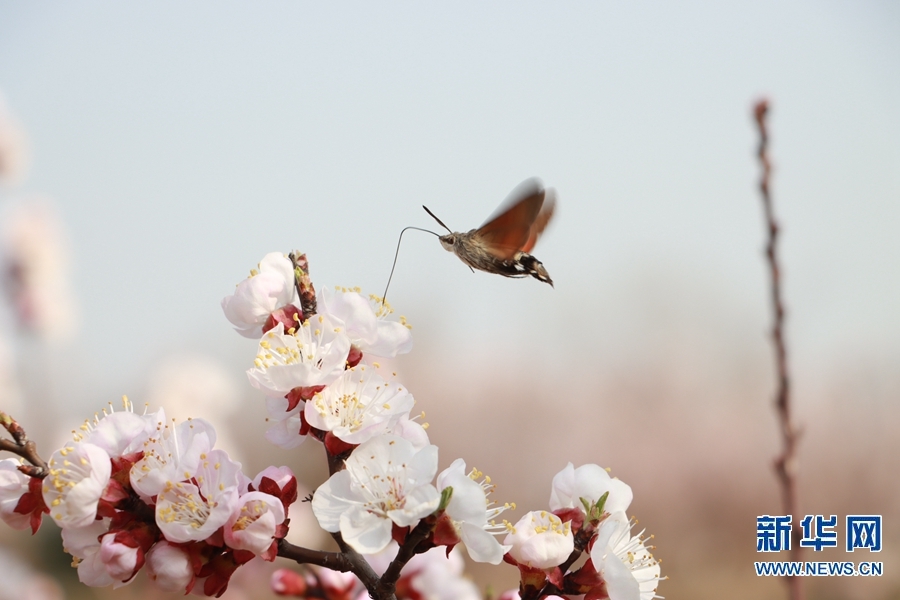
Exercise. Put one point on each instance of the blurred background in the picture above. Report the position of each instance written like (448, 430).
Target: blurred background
(154, 153)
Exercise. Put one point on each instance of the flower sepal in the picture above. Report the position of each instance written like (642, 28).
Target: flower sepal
(594, 511)
(32, 503)
(289, 316)
(279, 482)
(336, 447)
(573, 516)
(533, 579)
(302, 393)
(444, 533)
(217, 572)
(585, 580)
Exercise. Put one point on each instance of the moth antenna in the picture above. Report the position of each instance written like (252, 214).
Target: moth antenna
(397, 253)
(441, 223)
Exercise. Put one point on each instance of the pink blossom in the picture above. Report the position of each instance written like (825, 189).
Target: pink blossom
(253, 525)
(120, 555)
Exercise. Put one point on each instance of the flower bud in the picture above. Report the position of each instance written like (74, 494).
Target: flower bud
(169, 567)
(285, 582)
(120, 555)
(253, 525)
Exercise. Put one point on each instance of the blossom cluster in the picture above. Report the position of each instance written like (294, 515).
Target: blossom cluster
(587, 512)
(133, 491)
(322, 379)
(586, 509)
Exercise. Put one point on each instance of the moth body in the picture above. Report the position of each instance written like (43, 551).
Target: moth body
(503, 243)
(477, 255)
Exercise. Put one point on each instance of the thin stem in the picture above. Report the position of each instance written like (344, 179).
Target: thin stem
(22, 446)
(786, 462)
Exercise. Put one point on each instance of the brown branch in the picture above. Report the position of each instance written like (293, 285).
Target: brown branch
(362, 569)
(786, 462)
(304, 286)
(336, 561)
(348, 560)
(407, 550)
(22, 446)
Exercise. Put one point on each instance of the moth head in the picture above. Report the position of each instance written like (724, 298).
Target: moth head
(448, 241)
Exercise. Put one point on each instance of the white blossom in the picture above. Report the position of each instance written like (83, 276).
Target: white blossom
(187, 512)
(625, 564)
(541, 540)
(314, 355)
(78, 477)
(589, 482)
(255, 298)
(358, 405)
(472, 513)
(284, 426)
(121, 432)
(386, 482)
(412, 431)
(84, 544)
(365, 320)
(173, 453)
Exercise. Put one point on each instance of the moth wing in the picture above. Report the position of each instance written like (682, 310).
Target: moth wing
(540, 223)
(509, 228)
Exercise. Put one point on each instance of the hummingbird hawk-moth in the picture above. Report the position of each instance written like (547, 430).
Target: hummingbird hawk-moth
(502, 245)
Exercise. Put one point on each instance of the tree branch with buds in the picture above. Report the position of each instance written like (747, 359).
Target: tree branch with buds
(786, 462)
(20, 445)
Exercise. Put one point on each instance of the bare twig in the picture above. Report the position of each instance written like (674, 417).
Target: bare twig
(22, 446)
(786, 462)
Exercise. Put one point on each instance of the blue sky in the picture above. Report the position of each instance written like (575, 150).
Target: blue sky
(182, 142)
